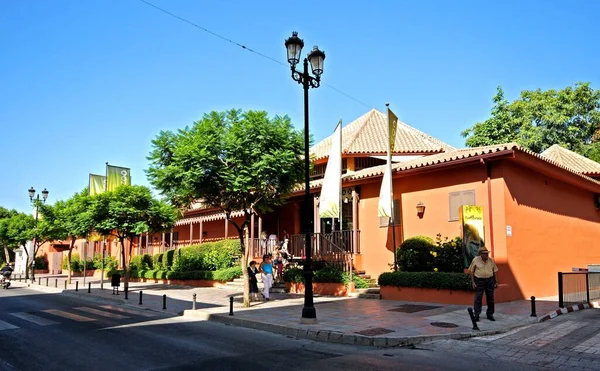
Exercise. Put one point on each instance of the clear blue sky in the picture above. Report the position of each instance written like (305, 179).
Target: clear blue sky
(86, 82)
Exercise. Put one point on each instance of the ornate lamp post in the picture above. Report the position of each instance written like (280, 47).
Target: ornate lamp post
(316, 57)
(32, 196)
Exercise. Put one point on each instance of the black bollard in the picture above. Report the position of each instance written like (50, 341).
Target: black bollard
(89, 287)
(140, 303)
(40, 281)
(65, 284)
(47, 279)
(533, 314)
(56, 282)
(126, 289)
(231, 305)
(164, 301)
(76, 285)
(475, 327)
(194, 302)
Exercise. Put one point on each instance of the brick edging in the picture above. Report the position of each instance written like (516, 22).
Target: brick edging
(569, 309)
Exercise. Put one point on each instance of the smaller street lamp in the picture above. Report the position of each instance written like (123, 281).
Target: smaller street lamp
(32, 196)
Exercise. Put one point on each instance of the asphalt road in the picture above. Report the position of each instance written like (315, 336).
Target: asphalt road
(40, 331)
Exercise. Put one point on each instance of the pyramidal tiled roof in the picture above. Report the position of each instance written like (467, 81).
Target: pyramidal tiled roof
(572, 160)
(368, 135)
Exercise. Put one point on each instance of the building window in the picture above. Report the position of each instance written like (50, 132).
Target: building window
(385, 221)
(366, 162)
(456, 200)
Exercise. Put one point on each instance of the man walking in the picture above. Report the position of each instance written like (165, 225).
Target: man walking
(483, 278)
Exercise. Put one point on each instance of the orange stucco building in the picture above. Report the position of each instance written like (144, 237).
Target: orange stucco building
(541, 211)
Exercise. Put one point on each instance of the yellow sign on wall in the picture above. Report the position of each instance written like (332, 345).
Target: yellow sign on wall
(472, 231)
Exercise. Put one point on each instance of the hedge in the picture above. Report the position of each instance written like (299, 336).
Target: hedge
(141, 262)
(325, 275)
(206, 257)
(227, 274)
(430, 280)
(423, 254)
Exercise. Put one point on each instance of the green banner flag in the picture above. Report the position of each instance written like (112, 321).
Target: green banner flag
(117, 176)
(97, 184)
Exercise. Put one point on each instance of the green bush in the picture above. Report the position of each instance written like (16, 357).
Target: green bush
(208, 256)
(76, 263)
(149, 273)
(109, 273)
(110, 262)
(432, 280)
(227, 274)
(157, 260)
(141, 262)
(293, 275)
(167, 260)
(41, 262)
(414, 254)
(448, 255)
(359, 282)
(329, 275)
(222, 275)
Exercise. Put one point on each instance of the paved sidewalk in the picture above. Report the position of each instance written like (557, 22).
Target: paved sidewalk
(341, 320)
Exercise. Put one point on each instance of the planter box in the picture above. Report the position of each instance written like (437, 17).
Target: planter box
(319, 288)
(41, 271)
(195, 283)
(88, 273)
(503, 293)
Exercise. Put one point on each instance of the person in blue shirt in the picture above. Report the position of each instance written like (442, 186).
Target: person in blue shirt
(266, 268)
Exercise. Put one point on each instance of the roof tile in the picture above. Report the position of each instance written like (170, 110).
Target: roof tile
(572, 160)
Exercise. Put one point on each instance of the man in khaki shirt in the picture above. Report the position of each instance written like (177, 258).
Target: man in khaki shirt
(483, 277)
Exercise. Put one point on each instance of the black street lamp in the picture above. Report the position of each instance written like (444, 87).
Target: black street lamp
(316, 57)
(32, 195)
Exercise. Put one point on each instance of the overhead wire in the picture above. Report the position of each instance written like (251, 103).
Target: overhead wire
(243, 47)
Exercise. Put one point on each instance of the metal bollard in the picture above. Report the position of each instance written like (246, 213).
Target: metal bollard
(76, 285)
(231, 305)
(89, 288)
(533, 314)
(194, 302)
(475, 327)
(164, 301)
(126, 289)
(140, 303)
(65, 284)
(56, 282)
(47, 279)
(40, 281)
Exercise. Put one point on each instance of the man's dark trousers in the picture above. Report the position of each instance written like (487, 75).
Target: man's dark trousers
(487, 285)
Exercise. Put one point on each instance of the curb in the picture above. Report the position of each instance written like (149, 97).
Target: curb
(572, 308)
(92, 298)
(334, 336)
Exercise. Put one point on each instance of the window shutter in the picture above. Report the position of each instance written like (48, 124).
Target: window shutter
(397, 220)
(468, 197)
(454, 204)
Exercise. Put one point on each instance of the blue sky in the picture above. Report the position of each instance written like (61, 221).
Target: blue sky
(83, 83)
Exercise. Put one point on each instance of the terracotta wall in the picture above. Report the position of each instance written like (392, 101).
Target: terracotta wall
(554, 228)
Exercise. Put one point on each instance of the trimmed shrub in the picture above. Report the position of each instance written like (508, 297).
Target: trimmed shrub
(110, 262)
(359, 282)
(227, 274)
(208, 256)
(293, 275)
(76, 263)
(414, 254)
(448, 255)
(430, 280)
(222, 275)
(157, 260)
(330, 275)
(41, 262)
(141, 262)
(167, 260)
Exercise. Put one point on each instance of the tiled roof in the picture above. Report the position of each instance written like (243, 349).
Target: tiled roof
(446, 157)
(572, 160)
(368, 134)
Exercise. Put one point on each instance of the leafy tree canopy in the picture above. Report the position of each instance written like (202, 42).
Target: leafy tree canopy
(539, 119)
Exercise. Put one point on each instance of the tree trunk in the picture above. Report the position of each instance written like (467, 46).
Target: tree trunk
(244, 263)
(7, 254)
(69, 261)
(125, 266)
(27, 263)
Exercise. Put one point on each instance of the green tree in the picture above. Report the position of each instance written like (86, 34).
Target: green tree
(69, 220)
(538, 119)
(127, 212)
(5, 242)
(20, 230)
(235, 161)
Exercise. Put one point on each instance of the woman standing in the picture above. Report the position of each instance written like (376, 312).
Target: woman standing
(252, 272)
(266, 267)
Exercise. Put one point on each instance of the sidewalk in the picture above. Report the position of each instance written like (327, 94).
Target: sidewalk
(340, 320)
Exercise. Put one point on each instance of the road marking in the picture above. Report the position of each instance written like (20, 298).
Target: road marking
(500, 336)
(7, 326)
(73, 316)
(100, 312)
(552, 334)
(129, 311)
(35, 319)
(591, 345)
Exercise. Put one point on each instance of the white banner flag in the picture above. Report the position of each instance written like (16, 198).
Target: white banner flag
(385, 194)
(329, 201)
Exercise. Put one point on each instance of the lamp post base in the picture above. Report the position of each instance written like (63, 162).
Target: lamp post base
(309, 316)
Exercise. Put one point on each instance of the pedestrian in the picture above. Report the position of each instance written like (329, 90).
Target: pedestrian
(266, 268)
(252, 272)
(483, 278)
(278, 263)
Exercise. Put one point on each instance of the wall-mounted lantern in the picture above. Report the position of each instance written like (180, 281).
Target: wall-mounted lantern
(420, 209)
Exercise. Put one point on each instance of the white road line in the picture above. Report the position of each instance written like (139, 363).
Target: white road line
(100, 312)
(552, 334)
(35, 319)
(73, 316)
(129, 311)
(7, 326)
(591, 345)
(500, 336)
